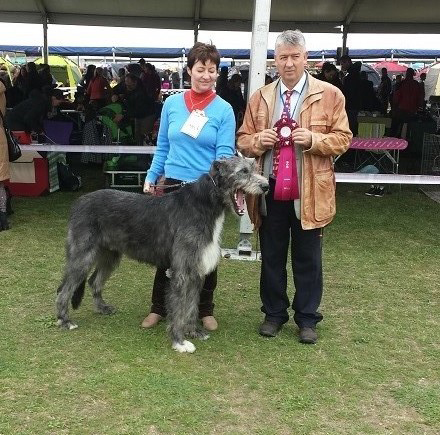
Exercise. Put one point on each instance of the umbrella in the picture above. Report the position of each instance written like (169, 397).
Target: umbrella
(424, 70)
(372, 74)
(392, 67)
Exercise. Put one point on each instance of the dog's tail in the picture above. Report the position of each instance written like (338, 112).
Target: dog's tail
(78, 295)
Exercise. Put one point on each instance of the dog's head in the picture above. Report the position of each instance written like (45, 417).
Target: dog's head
(235, 177)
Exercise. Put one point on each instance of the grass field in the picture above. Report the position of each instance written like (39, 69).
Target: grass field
(375, 369)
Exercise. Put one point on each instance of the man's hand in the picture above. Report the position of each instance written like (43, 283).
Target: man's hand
(117, 118)
(303, 137)
(268, 138)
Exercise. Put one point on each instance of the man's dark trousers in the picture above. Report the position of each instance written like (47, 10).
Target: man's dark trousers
(278, 228)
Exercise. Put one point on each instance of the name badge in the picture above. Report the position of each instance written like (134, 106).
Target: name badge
(194, 124)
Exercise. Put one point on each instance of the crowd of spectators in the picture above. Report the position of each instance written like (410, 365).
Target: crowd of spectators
(137, 87)
(399, 98)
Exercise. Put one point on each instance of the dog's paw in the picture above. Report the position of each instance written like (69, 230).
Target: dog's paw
(186, 346)
(66, 324)
(105, 309)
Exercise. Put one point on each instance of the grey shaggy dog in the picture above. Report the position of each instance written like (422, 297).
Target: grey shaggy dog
(179, 231)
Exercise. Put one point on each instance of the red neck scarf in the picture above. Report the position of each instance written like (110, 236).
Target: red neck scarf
(195, 100)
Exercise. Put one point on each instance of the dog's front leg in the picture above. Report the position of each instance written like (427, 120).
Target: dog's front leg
(182, 308)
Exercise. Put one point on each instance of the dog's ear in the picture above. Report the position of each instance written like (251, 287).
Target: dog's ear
(216, 167)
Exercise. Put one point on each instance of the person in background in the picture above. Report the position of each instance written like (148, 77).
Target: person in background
(233, 95)
(369, 101)
(33, 79)
(222, 81)
(384, 91)
(352, 90)
(407, 100)
(422, 86)
(120, 89)
(301, 198)
(140, 107)
(98, 89)
(46, 77)
(175, 80)
(29, 114)
(151, 80)
(87, 78)
(181, 157)
(330, 74)
(4, 161)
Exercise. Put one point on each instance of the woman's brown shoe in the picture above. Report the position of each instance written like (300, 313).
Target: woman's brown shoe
(151, 320)
(209, 323)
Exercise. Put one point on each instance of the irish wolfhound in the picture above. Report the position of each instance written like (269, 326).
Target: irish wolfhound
(179, 232)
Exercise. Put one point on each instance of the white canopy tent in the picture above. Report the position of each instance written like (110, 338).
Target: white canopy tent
(262, 16)
(362, 16)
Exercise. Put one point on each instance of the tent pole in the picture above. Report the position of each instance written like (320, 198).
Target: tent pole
(196, 33)
(257, 75)
(196, 19)
(344, 39)
(45, 46)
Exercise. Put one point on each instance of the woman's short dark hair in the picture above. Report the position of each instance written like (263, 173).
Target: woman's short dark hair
(203, 52)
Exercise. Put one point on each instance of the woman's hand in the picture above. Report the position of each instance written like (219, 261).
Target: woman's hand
(148, 188)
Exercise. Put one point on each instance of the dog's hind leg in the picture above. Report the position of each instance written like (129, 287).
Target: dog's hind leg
(182, 308)
(72, 287)
(107, 262)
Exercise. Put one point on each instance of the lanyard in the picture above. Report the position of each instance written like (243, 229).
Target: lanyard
(296, 104)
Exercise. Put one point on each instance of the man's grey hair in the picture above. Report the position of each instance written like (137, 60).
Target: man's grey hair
(291, 37)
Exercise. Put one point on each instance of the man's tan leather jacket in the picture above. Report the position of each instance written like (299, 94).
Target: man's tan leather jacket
(323, 113)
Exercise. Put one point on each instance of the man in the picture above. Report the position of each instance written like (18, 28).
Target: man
(407, 99)
(369, 101)
(30, 113)
(351, 87)
(422, 87)
(151, 80)
(384, 91)
(323, 132)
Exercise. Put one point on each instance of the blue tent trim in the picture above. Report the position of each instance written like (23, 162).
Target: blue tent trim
(154, 52)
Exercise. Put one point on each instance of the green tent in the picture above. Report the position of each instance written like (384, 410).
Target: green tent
(9, 66)
(65, 71)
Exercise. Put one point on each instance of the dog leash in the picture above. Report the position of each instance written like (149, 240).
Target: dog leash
(183, 183)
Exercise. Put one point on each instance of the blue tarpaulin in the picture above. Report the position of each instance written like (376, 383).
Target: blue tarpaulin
(154, 52)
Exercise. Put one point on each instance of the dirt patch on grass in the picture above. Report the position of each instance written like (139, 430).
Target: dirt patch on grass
(246, 412)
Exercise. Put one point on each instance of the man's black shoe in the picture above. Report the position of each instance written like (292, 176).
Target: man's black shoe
(308, 335)
(270, 329)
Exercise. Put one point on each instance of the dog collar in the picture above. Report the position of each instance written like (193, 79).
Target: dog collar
(212, 179)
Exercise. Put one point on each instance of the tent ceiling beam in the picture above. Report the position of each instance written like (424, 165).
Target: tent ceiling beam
(350, 14)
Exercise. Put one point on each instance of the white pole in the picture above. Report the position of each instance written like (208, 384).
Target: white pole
(183, 68)
(257, 74)
(45, 44)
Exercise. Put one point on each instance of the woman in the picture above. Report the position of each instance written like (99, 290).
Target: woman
(184, 154)
(88, 76)
(4, 162)
(98, 89)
